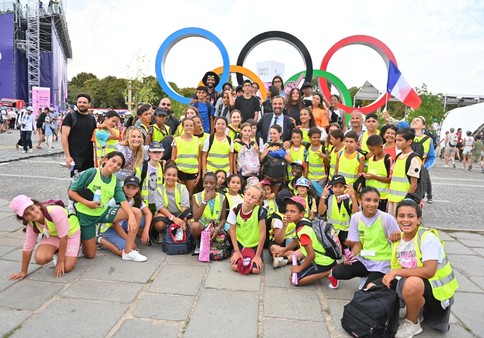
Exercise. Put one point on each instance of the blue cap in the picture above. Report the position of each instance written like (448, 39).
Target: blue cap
(156, 147)
(303, 182)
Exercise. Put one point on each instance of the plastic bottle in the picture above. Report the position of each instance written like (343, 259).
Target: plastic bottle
(97, 196)
(294, 275)
(73, 165)
(179, 234)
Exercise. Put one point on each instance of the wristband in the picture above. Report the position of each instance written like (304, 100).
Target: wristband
(171, 217)
(204, 202)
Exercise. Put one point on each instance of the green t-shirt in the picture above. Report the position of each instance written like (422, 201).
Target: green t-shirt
(81, 183)
(478, 145)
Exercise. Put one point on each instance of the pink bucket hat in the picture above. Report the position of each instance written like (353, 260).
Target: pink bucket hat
(19, 204)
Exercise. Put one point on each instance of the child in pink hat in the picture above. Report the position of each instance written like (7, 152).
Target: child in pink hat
(60, 235)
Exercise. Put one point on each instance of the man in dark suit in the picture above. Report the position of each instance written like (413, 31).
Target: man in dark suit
(268, 120)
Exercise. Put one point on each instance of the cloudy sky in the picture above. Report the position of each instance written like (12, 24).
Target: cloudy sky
(439, 43)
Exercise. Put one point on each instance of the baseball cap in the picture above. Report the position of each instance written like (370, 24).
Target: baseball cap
(265, 181)
(132, 180)
(247, 256)
(298, 162)
(303, 182)
(47, 119)
(296, 199)
(161, 111)
(30, 108)
(306, 84)
(338, 179)
(156, 147)
(19, 204)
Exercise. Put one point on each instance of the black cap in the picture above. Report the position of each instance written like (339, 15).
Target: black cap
(161, 111)
(338, 179)
(306, 84)
(132, 180)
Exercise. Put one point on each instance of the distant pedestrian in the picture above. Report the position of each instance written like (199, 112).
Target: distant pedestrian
(27, 126)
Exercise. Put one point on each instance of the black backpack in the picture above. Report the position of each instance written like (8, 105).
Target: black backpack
(422, 180)
(274, 168)
(372, 313)
(417, 146)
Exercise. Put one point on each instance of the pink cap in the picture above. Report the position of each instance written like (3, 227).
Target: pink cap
(265, 181)
(298, 200)
(19, 204)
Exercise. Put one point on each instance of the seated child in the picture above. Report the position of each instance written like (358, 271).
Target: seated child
(303, 190)
(115, 235)
(248, 228)
(315, 265)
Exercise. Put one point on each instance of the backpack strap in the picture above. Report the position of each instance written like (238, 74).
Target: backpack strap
(144, 171)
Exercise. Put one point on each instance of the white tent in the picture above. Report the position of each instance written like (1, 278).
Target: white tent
(467, 118)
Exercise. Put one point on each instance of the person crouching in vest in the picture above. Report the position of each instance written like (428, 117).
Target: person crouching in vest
(91, 211)
(61, 235)
(419, 257)
(208, 211)
(248, 232)
(316, 265)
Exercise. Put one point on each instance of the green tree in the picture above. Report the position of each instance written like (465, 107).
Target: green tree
(431, 108)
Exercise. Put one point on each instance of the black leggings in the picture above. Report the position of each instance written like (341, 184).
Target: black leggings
(357, 269)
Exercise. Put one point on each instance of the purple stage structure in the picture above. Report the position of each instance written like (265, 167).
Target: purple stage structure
(20, 28)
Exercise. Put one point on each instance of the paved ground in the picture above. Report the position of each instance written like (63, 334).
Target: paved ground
(172, 296)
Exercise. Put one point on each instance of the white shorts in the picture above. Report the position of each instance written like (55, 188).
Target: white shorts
(467, 150)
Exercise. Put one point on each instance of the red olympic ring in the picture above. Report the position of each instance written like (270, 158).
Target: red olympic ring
(368, 41)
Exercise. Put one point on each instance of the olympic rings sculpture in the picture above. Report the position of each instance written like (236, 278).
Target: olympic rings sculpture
(322, 73)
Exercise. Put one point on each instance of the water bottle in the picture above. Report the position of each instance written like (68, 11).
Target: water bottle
(179, 235)
(73, 165)
(97, 196)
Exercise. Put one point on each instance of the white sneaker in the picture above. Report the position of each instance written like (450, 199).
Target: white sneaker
(279, 262)
(446, 165)
(407, 329)
(30, 150)
(134, 256)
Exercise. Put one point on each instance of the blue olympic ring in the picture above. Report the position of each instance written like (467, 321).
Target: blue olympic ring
(173, 39)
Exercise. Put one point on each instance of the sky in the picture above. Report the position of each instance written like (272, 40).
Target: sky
(439, 43)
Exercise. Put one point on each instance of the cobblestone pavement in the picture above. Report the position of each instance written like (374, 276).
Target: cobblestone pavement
(176, 296)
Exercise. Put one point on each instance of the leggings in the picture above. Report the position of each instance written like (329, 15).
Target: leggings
(357, 269)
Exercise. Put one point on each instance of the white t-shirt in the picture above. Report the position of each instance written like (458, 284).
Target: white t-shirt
(431, 249)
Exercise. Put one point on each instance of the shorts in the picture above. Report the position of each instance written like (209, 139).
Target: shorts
(186, 177)
(313, 269)
(284, 243)
(112, 236)
(450, 150)
(467, 150)
(73, 243)
(88, 222)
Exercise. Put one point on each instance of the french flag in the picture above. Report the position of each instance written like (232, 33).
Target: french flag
(399, 88)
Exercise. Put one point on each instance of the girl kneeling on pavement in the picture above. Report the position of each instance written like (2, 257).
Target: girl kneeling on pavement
(60, 235)
(115, 235)
(248, 230)
(91, 212)
(419, 257)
